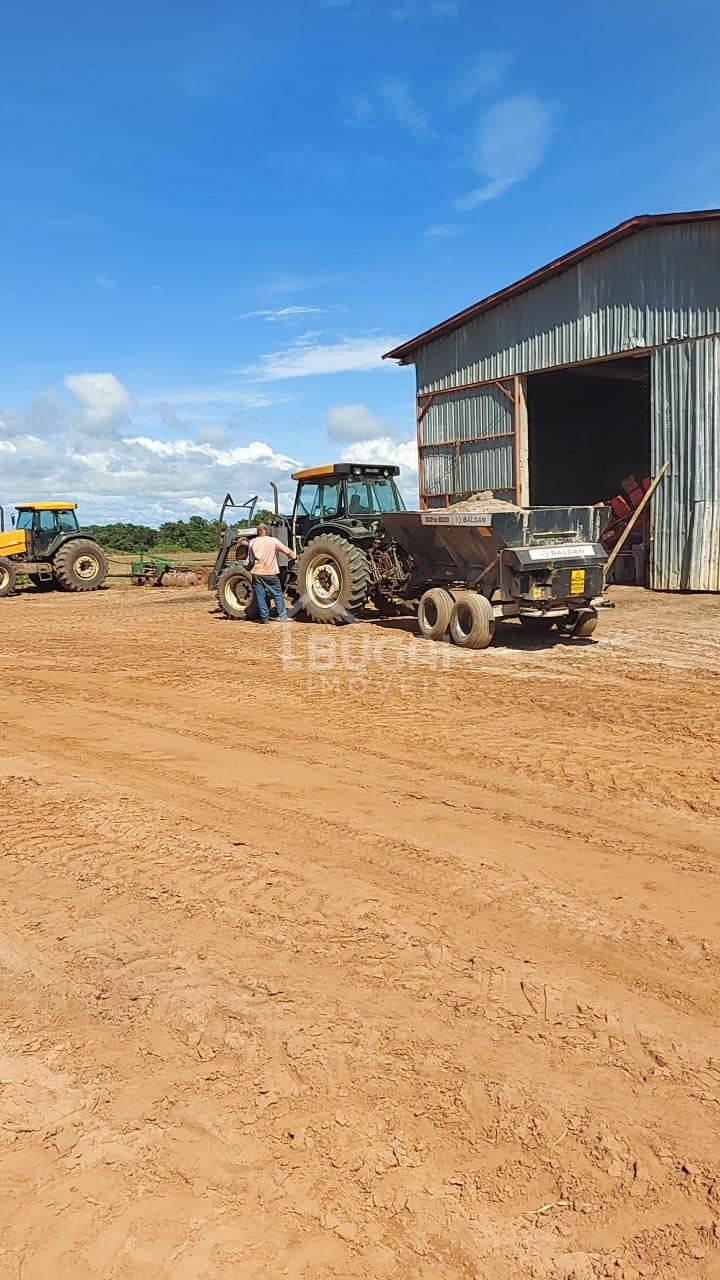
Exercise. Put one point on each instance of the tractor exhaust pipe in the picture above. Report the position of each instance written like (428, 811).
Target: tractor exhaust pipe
(274, 488)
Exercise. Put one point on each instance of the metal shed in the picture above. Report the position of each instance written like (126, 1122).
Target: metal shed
(604, 362)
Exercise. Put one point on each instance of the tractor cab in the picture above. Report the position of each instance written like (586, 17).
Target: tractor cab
(44, 522)
(344, 493)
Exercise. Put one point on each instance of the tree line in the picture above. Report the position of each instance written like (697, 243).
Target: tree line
(195, 534)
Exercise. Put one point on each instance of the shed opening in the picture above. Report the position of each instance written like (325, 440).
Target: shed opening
(588, 430)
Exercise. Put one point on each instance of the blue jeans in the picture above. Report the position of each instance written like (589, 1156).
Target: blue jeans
(265, 585)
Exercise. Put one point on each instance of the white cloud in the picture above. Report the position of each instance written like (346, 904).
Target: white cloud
(512, 138)
(123, 471)
(354, 422)
(213, 397)
(400, 105)
(283, 283)
(256, 452)
(119, 467)
(168, 416)
(384, 449)
(210, 434)
(483, 73)
(483, 195)
(272, 314)
(304, 359)
(443, 231)
(106, 282)
(102, 397)
(393, 100)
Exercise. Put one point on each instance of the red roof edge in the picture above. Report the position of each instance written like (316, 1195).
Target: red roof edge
(554, 268)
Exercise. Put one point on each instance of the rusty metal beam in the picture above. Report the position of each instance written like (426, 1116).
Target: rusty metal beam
(510, 394)
(428, 396)
(465, 386)
(449, 444)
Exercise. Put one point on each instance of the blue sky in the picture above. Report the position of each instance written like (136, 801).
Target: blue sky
(216, 216)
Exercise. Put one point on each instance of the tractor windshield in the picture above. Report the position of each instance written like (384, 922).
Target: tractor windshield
(24, 520)
(372, 495)
(68, 521)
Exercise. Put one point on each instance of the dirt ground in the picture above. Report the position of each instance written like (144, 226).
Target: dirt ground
(345, 954)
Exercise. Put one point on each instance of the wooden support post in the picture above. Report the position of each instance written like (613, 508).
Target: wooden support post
(522, 459)
(633, 520)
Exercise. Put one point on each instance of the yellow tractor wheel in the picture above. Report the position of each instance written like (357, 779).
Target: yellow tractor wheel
(8, 577)
(80, 565)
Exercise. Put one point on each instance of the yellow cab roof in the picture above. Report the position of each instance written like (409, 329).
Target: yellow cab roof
(346, 469)
(46, 506)
(313, 473)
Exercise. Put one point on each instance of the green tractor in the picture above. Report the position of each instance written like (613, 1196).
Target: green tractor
(47, 544)
(345, 559)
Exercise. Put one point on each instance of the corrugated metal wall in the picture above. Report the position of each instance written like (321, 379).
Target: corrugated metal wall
(485, 462)
(661, 285)
(659, 290)
(686, 430)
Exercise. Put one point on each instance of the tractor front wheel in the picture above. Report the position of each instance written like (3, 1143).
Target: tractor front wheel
(8, 577)
(80, 565)
(333, 577)
(235, 594)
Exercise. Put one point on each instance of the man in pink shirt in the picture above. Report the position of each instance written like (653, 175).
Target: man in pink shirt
(266, 573)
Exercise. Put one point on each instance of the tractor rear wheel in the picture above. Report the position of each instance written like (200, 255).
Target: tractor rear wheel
(80, 565)
(235, 594)
(472, 621)
(8, 577)
(333, 577)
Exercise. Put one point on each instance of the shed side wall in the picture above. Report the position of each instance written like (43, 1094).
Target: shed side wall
(685, 428)
(483, 420)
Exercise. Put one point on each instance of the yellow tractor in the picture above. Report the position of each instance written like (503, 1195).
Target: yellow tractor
(47, 544)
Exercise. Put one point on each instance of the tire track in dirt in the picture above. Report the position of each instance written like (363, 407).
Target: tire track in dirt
(391, 999)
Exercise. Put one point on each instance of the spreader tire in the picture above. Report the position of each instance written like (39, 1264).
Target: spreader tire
(8, 577)
(80, 565)
(333, 577)
(585, 625)
(472, 621)
(434, 612)
(235, 594)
